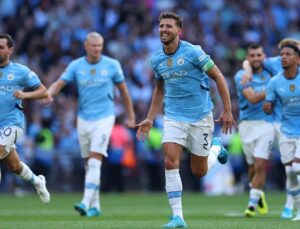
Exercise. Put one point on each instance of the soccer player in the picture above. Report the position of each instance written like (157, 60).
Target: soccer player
(255, 127)
(285, 87)
(95, 75)
(273, 65)
(182, 83)
(14, 78)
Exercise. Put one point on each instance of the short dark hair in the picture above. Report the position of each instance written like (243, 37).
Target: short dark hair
(294, 47)
(171, 15)
(254, 46)
(8, 38)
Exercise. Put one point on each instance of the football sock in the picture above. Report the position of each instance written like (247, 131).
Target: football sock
(254, 197)
(95, 202)
(213, 156)
(174, 191)
(92, 181)
(27, 175)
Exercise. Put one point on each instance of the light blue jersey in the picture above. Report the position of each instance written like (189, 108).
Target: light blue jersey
(273, 65)
(288, 92)
(248, 110)
(95, 83)
(187, 96)
(14, 77)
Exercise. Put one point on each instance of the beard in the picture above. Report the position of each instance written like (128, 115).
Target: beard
(2, 60)
(168, 41)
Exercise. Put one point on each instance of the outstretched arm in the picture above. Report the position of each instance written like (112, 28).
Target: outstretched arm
(226, 116)
(130, 122)
(56, 87)
(53, 90)
(156, 105)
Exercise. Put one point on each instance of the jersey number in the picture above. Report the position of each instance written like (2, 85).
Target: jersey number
(205, 144)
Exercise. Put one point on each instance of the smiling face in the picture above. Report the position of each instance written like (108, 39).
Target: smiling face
(256, 57)
(168, 31)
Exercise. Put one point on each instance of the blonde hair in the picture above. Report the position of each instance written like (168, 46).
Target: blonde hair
(288, 41)
(93, 35)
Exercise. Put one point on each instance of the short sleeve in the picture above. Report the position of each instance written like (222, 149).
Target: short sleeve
(119, 75)
(32, 80)
(69, 74)
(270, 91)
(201, 59)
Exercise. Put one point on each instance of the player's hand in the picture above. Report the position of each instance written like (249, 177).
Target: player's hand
(144, 129)
(47, 101)
(130, 122)
(267, 108)
(247, 76)
(227, 120)
(19, 94)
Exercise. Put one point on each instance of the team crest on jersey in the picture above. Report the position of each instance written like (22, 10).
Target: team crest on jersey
(93, 72)
(292, 87)
(262, 77)
(103, 72)
(180, 61)
(169, 62)
(10, 76)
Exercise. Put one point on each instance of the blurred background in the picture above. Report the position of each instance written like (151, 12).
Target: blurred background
(49, 34)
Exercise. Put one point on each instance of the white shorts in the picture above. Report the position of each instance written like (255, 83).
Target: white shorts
(94, 135)
(277, 126)
(196, 137)
(289, 148)
(8, 138)
(257, 138)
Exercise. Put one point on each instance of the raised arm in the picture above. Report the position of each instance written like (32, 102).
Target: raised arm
(247, 75)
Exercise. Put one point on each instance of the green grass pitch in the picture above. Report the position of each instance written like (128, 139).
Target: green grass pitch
(139, 210)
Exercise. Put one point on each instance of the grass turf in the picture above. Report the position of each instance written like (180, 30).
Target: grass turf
(139, 210)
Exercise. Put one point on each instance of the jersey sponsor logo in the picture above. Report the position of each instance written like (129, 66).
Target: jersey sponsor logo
(172, 76)
(180, 61)
(93, 82)
(292, 87)
(169, 62)
(5, 89)
(93, 72)
(10, 76)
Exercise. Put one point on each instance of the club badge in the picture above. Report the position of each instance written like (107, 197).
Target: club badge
(169, 62)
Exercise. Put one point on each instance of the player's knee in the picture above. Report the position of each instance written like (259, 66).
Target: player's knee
(199, 172)
(171, 164)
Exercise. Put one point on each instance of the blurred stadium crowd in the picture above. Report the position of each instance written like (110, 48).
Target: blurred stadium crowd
(49, 34)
